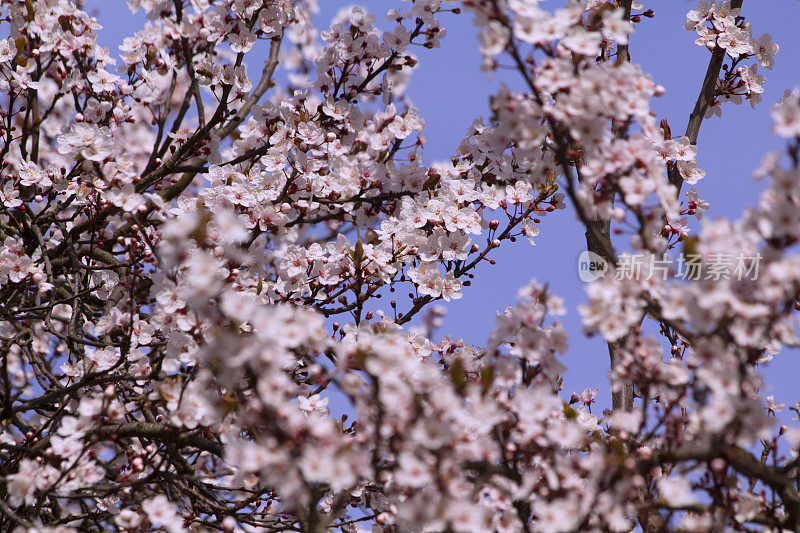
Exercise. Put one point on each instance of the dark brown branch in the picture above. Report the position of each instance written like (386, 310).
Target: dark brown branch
(161, 433)
(258, 92)
(704, 99)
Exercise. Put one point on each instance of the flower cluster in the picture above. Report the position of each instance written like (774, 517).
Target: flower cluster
(208, 280)
(720, 26)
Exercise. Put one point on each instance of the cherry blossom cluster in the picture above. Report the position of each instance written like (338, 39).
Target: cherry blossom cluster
(708, 391)
(211, 268)
(719, 25)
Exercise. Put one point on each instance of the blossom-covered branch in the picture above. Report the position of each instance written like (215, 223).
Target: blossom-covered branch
(208, 287)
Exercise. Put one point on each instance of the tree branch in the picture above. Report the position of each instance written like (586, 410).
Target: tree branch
(705, 97)
(258, 92)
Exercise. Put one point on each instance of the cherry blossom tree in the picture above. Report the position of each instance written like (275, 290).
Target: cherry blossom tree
(219, 285)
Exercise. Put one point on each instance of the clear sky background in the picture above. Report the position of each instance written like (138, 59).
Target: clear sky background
(450, 92)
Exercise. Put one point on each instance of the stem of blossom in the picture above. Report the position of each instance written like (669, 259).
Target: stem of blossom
(174, 190)
(160, 149)
(597, 231)
(258, 92)
(704, 98)
(200, 135)
(162, 434)
(6, 510)
(35, 121)
(187, 56)
(558, 138)
(622, 49)
(744, 462)
(598, 240)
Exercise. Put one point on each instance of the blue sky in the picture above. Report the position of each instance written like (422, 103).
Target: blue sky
(451, 92)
